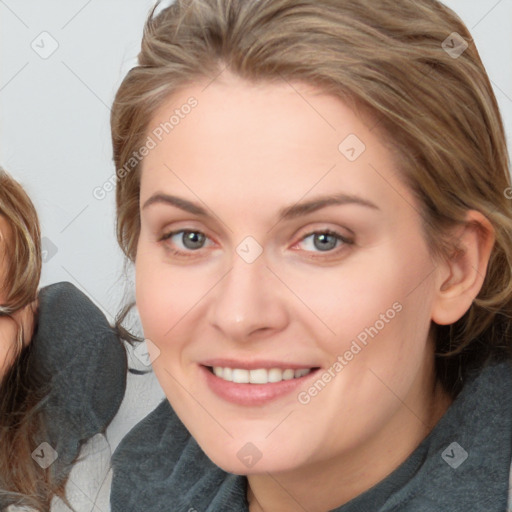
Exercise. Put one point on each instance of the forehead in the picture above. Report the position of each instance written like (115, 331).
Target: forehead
(277, 141)
(260, 120)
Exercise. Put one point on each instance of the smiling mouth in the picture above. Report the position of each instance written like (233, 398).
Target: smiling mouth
(258, 375)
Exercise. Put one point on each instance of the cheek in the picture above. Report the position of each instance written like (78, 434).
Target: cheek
(390, 323)
(166, 295)
(350, 297)
(156, 297)
(374, 308)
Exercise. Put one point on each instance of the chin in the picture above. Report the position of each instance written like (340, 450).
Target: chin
(260, 467)
(247, 459)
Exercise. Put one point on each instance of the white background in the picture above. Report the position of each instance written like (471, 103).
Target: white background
(54, 118)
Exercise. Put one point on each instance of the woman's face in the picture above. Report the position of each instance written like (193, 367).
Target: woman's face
(278, 240)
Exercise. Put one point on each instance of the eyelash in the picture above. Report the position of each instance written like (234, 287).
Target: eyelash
(188, 253)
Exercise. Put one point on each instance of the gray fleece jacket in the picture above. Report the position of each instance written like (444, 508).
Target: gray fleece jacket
(80, 358)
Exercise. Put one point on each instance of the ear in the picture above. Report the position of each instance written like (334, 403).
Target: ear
(461, 275)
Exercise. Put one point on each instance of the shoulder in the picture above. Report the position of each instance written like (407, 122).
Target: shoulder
(80, 356)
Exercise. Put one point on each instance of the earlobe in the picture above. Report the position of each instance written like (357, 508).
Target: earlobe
(462, 274)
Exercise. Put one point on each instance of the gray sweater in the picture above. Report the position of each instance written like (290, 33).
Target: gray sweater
(159, 467)
(86, 365)
(80, 358)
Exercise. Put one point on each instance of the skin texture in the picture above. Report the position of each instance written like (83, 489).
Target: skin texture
(243, 154)
(24, 317)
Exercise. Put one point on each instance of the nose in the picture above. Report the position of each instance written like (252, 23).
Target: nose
(249, 302)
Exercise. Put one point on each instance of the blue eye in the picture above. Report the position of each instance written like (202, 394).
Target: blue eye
(186, 240)
(324, 241)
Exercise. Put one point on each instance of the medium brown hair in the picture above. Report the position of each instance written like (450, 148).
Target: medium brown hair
(23, 389)
(23, 257)
(436, 111)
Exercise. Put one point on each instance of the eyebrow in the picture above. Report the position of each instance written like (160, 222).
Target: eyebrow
(287, 213)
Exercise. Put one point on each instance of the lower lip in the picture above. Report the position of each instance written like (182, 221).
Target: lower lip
(252, 394)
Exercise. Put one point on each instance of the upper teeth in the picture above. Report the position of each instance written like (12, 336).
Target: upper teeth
(258, 376)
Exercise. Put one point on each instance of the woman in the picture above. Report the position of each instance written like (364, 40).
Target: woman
(314, 197)
(63, 368)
